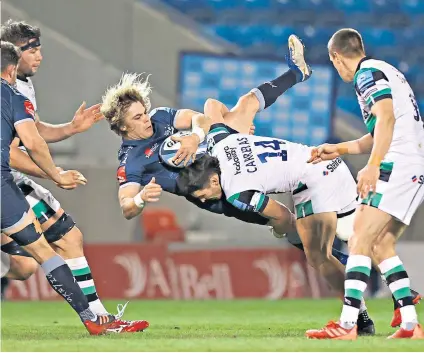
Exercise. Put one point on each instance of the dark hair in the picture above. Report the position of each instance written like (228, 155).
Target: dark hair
(10, 55)
(348, 42)
(18, 32)
(196, 176)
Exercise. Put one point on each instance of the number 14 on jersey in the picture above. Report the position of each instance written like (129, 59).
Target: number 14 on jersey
(275, 145)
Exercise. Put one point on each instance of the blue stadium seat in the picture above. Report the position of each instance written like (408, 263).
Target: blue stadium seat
(412, 7)
(221, 5)
(279, 34)
(382, 7)
(256, 4)
(378, 36)
(351, 6)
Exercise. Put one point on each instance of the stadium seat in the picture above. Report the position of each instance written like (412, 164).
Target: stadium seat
(412, 7)
(352, 6)
(378, 37)
(160, 225)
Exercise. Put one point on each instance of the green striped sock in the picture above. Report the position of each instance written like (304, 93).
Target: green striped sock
(400, 285)
(82, 273)
(358, 269)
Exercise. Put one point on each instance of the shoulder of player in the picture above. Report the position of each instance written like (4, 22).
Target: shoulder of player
(162, 110)
(370, 69)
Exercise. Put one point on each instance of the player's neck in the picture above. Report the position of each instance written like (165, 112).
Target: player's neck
(7, 78)
(353, 64)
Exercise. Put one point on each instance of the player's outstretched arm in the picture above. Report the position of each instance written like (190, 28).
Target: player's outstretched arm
(327, 151)
(20, 161)
(84, 118)
(39, 152)
(281, 219)
(133, 198)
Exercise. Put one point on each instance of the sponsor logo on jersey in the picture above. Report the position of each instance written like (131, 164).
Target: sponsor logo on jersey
(333, 165)
(149, 151)
(231, 153)
(29, 108)
(325, 173)
(121, 175)
(420, 179)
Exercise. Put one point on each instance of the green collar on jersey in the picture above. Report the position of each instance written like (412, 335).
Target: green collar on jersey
(361, 61)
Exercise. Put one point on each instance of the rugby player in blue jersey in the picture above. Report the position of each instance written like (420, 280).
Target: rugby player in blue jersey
(18, 221)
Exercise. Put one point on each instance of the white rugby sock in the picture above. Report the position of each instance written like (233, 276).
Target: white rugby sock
(82, 273)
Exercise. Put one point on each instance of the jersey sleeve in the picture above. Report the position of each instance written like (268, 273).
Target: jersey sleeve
(372, 85)
(23, 110)
(249, 200)
(217, 133)
(130, 173)
(164, 115)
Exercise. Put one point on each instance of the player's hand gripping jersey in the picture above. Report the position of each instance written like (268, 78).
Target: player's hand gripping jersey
(254, 166)
(399, 191)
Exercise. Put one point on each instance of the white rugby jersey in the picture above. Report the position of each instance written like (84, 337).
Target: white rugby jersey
(253, 166)
(27, 89)
(376, 80)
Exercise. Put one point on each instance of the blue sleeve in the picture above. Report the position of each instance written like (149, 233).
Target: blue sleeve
(250, 200)
(23, 110)
(130, 172)
(163, 115)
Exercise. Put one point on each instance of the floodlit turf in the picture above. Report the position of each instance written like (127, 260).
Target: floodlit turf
(251, 325)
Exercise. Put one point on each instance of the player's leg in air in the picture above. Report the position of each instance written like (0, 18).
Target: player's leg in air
(66, 239)
(18, 222)
(240, 118)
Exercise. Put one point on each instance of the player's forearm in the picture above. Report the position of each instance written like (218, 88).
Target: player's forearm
(383, 135)
(359, 146)
(55, 133)
(200, 125)
(129, 208)
(20, 161)
(40, 154)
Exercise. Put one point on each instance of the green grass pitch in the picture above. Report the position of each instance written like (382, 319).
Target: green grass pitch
(240, 325)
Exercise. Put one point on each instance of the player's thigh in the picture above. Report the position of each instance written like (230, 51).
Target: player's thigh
(44, 205)
(317, 232)
(15, 210)
(368, 225)
(241, 117)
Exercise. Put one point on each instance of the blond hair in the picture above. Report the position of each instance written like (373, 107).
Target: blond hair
(118, 98)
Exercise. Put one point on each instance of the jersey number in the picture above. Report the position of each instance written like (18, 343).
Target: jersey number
(417, 115)
(275, 145)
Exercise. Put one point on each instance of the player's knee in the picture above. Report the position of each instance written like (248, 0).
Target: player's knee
(382, 248)
(316, 256)
(248, 102)
(21, 268)
(74, 238)
(71, 245)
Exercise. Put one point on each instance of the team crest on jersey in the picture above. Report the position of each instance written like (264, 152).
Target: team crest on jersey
(29, 108)
(148, 152)
(121, 174)
(169, 130)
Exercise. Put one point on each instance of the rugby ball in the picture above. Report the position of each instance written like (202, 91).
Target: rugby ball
(169, 148)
